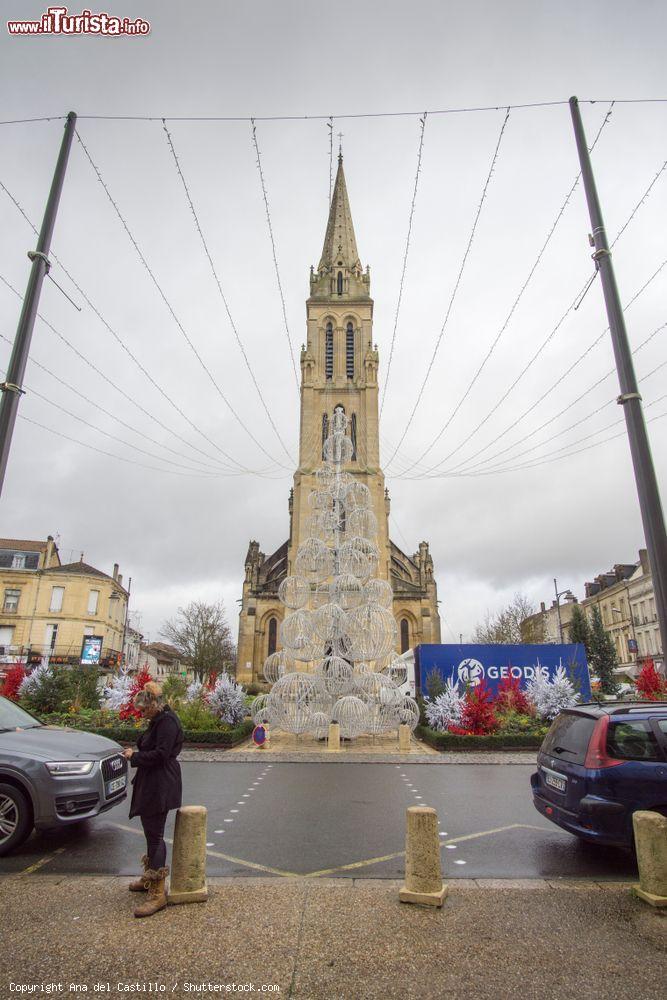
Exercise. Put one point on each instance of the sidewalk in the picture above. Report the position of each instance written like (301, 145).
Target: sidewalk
(325, 940)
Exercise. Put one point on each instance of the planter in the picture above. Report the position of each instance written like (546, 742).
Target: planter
(225, 738)
(494, 741)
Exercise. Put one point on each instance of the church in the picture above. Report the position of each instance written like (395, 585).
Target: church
(339, 368)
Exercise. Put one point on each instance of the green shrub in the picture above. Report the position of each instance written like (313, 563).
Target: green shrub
(174, 689)
(494, 741)
(197, 716)
(82, 690)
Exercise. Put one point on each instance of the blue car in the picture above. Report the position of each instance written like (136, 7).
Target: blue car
(600, 763)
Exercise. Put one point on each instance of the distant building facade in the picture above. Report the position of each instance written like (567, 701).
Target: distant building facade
(339, 368)
(49, 609)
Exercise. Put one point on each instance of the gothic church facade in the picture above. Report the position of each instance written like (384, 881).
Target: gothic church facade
(339, 367)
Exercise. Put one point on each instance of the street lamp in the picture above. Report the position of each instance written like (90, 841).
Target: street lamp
(559, 594)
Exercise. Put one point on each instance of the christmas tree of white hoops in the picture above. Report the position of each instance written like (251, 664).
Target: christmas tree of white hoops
(338, 617)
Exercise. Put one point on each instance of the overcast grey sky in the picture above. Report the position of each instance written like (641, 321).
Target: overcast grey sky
(181, 536)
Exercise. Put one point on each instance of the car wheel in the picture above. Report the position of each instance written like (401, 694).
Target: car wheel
(15, 818)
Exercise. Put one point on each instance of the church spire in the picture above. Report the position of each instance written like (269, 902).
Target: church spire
(339, 273)
(340, 246)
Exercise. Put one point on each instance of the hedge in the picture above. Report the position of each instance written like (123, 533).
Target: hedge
(128, 734)
(493, 741)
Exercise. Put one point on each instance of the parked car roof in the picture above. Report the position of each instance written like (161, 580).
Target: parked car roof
(618, 707)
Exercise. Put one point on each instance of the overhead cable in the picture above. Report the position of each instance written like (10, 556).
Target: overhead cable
(273, 249)
(456, 285)
(422, 124)
(180, 326)
(170, 143)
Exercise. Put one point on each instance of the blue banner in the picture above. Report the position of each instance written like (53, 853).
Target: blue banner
(470, 664)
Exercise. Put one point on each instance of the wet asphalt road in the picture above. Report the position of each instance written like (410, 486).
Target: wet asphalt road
(343, 820)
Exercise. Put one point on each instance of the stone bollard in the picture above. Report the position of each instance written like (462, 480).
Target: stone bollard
(404, 738)
(651, 845)
(423, 875)
(188, 861)
(333, 743)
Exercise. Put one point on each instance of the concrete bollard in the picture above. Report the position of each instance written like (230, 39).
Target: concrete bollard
(423, 874)
(188, 863)
(333, 743)
(651, 844)
(404, 735)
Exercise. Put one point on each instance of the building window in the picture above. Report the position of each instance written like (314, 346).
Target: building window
(11, 602)
(405, 635)
(93, 601)
(349, 351)
(18, 562)
(273, 634)
(50, 637)
(353, 436)
(339, 284)
(6, 636)
(328, 352)
(325, 430)
(57, 594)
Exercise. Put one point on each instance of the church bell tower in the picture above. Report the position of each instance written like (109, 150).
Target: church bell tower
(339, 368)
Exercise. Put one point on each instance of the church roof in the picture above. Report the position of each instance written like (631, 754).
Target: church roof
(340, 245)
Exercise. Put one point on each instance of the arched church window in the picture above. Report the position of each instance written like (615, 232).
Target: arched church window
(273, 635)
(325, 430)
(353, 435)
(340, 283)
(349, 351)
(405, 635)
(328, 352)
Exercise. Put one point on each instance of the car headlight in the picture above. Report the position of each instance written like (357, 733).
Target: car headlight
(65, 767)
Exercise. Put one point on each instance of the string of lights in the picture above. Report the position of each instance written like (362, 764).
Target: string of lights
(456, 285)
(178, 323)
(113, 416)
(273, 249)
(554, 385)
(472, 109)
(422, 124)
(516, 302)
(554, 457)
(114, 385)
(198, 227)
(565, 409)
(119, 340)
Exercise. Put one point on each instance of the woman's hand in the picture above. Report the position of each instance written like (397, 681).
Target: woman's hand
(127, 752)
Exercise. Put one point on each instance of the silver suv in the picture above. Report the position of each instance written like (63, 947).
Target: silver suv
(50, 776)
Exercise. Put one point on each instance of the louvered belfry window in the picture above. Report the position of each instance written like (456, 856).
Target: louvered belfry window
(349, 351)
(328, 352)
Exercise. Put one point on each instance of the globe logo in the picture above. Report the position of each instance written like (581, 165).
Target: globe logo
(471, 672)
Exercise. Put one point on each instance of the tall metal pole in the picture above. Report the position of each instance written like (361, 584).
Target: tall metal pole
(630, 399)
(560, 624)
(12, 388)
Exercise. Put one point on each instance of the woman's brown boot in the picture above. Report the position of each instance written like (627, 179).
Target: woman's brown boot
(157, 895)
(139, 885)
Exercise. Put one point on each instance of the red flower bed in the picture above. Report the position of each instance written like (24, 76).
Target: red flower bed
(478, 714)
(12, 682)
(128, 711)
(511, 698)
(650, 685)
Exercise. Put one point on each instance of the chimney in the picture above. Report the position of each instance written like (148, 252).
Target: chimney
(542, 607)
(643, 559)
(119, 579)
(115, 571)
(48, 556)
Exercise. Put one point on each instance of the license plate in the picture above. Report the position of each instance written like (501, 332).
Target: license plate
(555, 781)
(116, 784)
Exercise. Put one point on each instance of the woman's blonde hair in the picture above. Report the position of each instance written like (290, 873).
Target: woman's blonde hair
(150, 694)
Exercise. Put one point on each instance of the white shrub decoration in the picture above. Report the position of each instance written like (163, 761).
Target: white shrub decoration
(445, 710)
(117, 692)
(31, 684)
(227, 700)
(551, 697)
(194, 691)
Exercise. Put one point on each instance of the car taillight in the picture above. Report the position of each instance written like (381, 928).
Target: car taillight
(596, 755)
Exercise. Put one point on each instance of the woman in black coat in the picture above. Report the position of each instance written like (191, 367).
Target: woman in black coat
(157, 788)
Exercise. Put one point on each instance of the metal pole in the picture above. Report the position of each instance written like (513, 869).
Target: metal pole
(647, 486)
(12, 388)
(560, 624)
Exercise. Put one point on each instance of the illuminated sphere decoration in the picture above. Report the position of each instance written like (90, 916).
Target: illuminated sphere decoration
(357, 496)
(347, 591)
(338, 449)
(260, 711)
(336, 675)
(294, 592)
(314, 561)
(408, 712)
(363, 523)
(397, 671)
(275, 665)
(319, 725)
(379, 592)
(351, 714)
(296, 631)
